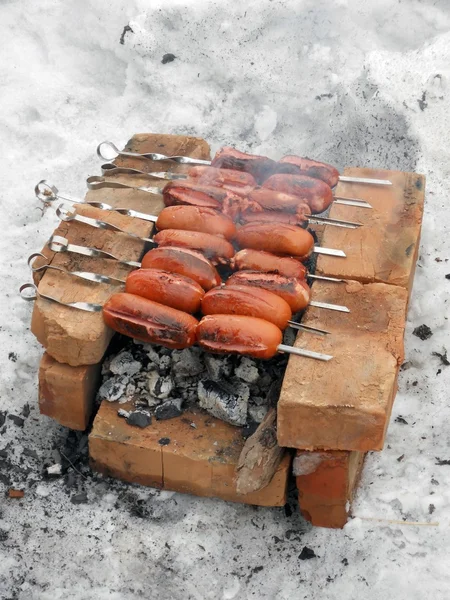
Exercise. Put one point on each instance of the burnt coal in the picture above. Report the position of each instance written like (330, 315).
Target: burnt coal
(218, 368)
(161, 382)
(188, 362)
(224, 402)
(160, 387)
(124, 364)
(257, 413)
(139, 418)
(114, 389)
(247, 371)
(169, 409)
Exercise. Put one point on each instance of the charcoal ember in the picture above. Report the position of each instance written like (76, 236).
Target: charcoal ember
(257, 413)
(164, 365)
(258, 400)
(169, 409)
(114, 389)
(159, 386)
(218, 367)
(265, 382)
(188, 362)
(226, 402)
(152, 354)
(247, 370)
(130, 390)
(124, 364)
(139, 418)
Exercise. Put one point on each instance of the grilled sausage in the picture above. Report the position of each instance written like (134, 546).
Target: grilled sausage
(259, 166)
(269, 200)
(185, 262)
(196, 218)
(239, 334)
(311, 168)
(247, 300)
(316, 193)
(149, 321)
(294, 291)
(228, 179)
(193, 194)
(265, 262)
(166, 288)
(213, 247)
(282, 239)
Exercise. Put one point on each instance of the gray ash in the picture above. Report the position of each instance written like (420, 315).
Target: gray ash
(162, 383)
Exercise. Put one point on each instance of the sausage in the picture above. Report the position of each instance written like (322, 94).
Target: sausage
(170, 289)
(282, 239)
(276, 216)
(212, 246)
(269, 200)
(311, 168)
(259, 166)
(149, 321)
(247, 300)
(196, 218)
(316, 193)
(239, 334)
(193, 194)
(265, 262)
(294, 291)
(228, 179)
(185, 262)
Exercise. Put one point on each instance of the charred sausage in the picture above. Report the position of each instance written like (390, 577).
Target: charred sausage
(316, 193)
(185, 262)
(229, 179)
(212, 246)
(193, 194)
(269, 200)
(282, 239)
(265, 262)
(170, 289)
(239, 334)
(247, 300)
(294, 291)
(259, 166)
(196, 218)
(149, 321)
(311, 168)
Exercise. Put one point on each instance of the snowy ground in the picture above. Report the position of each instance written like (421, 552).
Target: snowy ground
(356, 83)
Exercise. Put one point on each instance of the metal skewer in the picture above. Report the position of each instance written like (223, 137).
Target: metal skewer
(25, 294)
(86, 275)
(87, 306)
(309, 328)
(304, 353)
(347, 179)
(114, 152)
(58, 243)
(97, 182)
(329, 306)
(112, 169)
(98, 278)
(48, 194)
(66, 215)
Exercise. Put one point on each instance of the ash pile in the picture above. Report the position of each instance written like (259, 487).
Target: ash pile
(162, 383)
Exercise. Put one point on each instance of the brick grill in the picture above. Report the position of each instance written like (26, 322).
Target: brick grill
(332, 421)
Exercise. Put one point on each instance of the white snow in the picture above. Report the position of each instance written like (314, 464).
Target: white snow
(351, 82)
